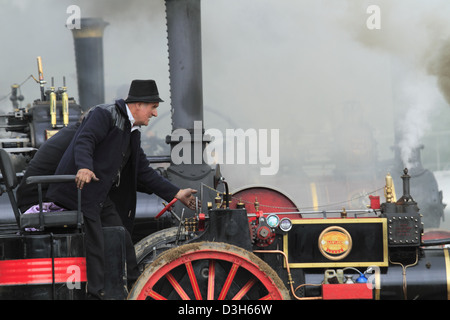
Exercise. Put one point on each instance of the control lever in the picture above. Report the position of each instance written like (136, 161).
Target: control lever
(167, 207)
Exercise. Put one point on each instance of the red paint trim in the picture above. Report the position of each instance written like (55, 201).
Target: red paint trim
(346, 291)
(39, 271)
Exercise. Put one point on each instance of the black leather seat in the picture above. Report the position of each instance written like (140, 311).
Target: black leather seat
(40, 220)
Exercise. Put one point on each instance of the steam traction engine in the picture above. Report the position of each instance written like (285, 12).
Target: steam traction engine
(254, 244)
(231, 252)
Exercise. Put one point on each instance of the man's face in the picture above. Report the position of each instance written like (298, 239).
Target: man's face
(144, 112)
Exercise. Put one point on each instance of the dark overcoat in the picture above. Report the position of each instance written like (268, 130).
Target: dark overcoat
(100, 145)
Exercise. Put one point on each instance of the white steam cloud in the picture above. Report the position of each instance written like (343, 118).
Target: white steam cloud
(416, 35)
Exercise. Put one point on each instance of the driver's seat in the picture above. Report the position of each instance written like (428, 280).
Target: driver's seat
(40, 220)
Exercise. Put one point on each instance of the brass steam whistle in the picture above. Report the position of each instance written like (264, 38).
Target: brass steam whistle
(389, 190)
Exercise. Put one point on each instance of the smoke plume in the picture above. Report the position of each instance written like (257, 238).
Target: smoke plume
(417, 39)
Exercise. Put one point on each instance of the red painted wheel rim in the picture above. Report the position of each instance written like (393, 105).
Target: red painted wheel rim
(212, 257)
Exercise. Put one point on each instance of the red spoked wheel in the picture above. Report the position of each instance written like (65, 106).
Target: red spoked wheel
(208, 271)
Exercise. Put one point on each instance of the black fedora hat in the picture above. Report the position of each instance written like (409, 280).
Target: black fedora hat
(143, 91)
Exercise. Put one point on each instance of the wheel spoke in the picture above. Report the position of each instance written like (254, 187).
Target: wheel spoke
(211, 279)
(177, 286)
(193, 279)
(228, 281)
(155, 295)
(246, 288)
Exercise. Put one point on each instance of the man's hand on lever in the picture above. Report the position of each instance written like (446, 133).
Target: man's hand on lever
(186, 196)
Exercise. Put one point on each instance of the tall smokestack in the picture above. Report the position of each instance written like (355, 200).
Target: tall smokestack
(88, 41)
(185, 59)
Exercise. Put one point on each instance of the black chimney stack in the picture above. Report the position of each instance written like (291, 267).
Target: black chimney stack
(185, 60)
(88, 41)
(186, 93)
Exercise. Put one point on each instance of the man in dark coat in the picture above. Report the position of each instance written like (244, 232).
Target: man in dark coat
(110, 167)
